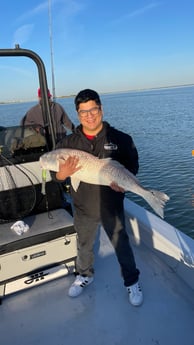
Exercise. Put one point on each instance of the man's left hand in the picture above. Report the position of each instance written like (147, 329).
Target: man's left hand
(116, 187)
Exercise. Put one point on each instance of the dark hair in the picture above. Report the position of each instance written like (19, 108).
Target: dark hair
(85, 96)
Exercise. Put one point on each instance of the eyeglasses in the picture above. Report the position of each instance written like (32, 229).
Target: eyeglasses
(93, 111)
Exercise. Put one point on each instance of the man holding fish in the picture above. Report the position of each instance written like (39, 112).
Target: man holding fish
(97, 203)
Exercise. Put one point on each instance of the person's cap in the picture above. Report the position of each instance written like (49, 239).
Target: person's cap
(39, 93)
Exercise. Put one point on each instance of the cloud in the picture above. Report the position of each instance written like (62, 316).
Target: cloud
(142, 10)
(64, 8)
(70, 7)
(34, 11)
(138, 12)
(22, 34)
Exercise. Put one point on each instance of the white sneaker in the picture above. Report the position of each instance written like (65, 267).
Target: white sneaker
(135, 294)
(77, 287)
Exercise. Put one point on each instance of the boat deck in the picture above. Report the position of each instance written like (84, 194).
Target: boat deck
(102, 314)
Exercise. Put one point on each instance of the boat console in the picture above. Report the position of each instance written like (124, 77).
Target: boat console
(37, 236)
(48, 248)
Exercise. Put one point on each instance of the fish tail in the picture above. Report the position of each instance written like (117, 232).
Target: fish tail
(157, 201)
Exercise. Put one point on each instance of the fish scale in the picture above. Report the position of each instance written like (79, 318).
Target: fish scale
(103, 172)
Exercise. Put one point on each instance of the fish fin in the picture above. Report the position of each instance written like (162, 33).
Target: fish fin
(157, 201)
(75, 182)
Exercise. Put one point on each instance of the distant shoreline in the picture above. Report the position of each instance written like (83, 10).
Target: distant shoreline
(105, 93)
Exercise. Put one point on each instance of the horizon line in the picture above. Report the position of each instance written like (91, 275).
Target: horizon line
(105, 93)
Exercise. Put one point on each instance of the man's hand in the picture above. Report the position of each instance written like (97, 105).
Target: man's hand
(67, 167)
(116, 188)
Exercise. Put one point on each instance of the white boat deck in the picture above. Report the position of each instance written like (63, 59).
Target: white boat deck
(102, 315)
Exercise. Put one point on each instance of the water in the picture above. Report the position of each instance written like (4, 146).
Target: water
(161, 124)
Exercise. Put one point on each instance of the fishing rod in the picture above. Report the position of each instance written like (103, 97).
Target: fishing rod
(51, 50)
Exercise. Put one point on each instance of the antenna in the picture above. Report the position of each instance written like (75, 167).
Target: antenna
(51, 49)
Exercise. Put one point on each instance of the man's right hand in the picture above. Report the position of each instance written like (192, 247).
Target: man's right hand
(67, 167)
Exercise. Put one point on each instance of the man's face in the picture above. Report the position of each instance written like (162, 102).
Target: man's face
(90, 115)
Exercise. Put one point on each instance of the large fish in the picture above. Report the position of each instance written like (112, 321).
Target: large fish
(103, 172)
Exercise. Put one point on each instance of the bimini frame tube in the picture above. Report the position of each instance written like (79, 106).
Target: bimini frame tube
(48, 121)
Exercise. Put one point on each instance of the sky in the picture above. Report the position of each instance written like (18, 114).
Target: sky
(106, 45)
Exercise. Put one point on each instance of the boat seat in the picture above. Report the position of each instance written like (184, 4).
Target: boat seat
(43, 227)
(47, 248)
(21, 176)
(21, 144)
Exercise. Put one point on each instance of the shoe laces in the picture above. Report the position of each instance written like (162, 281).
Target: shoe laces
(81, 280)
(134, 288)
